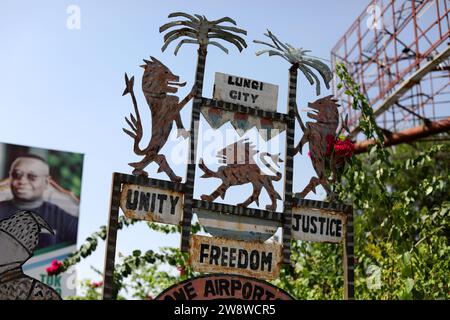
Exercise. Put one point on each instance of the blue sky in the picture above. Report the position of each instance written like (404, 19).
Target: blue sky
(62, 89)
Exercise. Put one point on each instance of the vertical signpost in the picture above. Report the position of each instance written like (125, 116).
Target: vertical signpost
(241, 244)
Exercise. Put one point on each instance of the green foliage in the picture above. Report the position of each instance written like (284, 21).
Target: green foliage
(66, 169)
(401, 219)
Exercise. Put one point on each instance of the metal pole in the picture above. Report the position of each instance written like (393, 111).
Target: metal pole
(349, 258)
(190, 176)
(289, 165)
(111, 238)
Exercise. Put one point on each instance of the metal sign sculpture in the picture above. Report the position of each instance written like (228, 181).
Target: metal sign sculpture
(223, 287)
(255, 259)
(157, 84)
(247, 92)
(299, 59)
(199, 30)
(19, 235)
(321, 135)
(239, 234)
(243, 122)
(151, 204)
(240, 169)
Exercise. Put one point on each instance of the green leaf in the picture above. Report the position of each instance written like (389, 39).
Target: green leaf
(409, 285)
(136, 253)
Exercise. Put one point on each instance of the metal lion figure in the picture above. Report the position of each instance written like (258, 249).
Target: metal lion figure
(240, 169)
(19, 235)
(321, 135)
(158, 82)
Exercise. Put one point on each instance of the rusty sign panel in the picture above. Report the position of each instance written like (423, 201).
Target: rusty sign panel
(318, 225)
(151, 204)
(247, 92)
(221, 286)
(219, 255)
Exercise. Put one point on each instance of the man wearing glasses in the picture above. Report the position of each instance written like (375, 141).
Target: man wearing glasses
(29, 177)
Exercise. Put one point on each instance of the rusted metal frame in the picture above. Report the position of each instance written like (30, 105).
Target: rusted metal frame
(416, 77)
(432, 92)
(238, 108)
(346, 59)
(349, 257)
(111, 239)
(421, 105)
(423, 118)
(408, 135)
(405, 86)
(438, 13)
(416, 38)
(350, 29)
(447, 15)
(406, 71)
(435, 93)
(190, 175)
(394, 35)
(387, 66)
(395, 43)
(377, 55)
(425, 31)
(361, 75)
(236, 210)
(349, 51)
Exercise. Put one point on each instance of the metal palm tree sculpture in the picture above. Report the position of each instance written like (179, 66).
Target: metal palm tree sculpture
(197, 29)
(299, 59)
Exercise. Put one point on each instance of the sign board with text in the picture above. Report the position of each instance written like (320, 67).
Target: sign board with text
(151, 204)
(318, 225)
(219, 255)
(223, 286)
(246, 92)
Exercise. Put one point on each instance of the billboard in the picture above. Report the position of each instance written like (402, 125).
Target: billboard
(47, 182)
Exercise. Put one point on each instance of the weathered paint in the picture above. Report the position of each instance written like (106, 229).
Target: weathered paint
(243, 121)
(221, 286)
(240, 169)
(318, 225)
(219, 255)
(236, 227)
(248, 92)
(151, 204)
(158, 82)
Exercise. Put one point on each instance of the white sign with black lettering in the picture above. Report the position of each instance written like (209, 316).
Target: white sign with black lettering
(318, 225)
(151, 204)
(244, 91)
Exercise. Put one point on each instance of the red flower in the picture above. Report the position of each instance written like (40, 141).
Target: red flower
(181, 270)
(344, 148)
(96, 284)
(340, 147)
(54, 268)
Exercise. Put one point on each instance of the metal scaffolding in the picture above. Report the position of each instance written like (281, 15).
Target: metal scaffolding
(399, 53)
